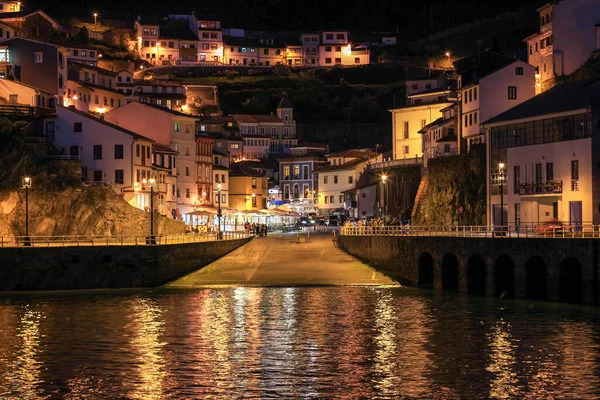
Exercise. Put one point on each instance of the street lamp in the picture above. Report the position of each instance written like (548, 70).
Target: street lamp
(26, 183)
(151, 182)
(383, 181)
(219, 215)
(95, 17)
(157, 52)
(501, 179)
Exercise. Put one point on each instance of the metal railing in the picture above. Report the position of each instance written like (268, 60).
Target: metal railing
(395, 163)
(549, 187)
(507, 231)
(117, 240)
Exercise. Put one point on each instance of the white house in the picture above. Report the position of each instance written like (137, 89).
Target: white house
(221, 177)
(164, 165)
(566, 39)
(21, 94)
(83, 54)
(340, 175)
(406, 124)
(170, 128)
(210, 39)
(488, 90)
(439, 137)
(109, 154)
(7, 30)
(548, 148)
(424, 84)
(310, 48)
(336, 49)
(10, 6)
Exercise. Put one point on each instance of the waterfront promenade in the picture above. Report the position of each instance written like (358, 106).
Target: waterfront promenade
(286, 260)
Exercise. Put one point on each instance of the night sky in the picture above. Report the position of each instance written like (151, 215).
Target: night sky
(411, 18)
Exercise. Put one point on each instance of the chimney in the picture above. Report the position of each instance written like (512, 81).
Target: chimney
(139, 18)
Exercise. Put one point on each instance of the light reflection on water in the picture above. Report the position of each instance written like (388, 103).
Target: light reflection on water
(343, 342)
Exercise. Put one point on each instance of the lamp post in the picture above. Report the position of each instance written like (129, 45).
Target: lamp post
(26, 183)
(157, 53)
(219, 215)
(95, 17)
(151, 182)
(501, 178)
(383, 181)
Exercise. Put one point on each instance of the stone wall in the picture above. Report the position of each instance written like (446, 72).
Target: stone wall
(401, 257)
(99, 267)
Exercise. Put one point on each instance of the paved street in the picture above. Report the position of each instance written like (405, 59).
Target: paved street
(279, 260)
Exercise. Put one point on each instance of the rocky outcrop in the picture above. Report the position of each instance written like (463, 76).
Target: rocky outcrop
(456, 191)
(58, 202)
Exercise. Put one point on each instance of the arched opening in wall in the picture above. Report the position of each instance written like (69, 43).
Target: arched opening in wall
(535, 279)
(504, 274)
(476, 274)
(570, 281)
(450, 272)
(425, 269)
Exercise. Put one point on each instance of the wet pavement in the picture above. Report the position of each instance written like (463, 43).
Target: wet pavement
(291, 259)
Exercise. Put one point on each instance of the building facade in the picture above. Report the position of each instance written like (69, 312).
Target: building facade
(565, 41)
(549, 153)
(339, 176)
(170, 128)
(488, 90)
(38, 64)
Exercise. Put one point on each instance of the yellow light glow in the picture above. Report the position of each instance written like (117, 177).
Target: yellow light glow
(383, 178)
(538, 84)
(75, 97)
(184, 107)
(501, 165)
(537, 76)
(99, 55)
(95, 15)
(348, 49)
(447, 54)
(139, 38)
(141, 67)
(219, 186)
(101, 110)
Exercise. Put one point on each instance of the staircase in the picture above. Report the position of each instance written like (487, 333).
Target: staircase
(115, 189)
(419, 211)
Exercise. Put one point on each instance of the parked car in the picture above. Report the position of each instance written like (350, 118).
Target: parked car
(332, 220)
(552, 227)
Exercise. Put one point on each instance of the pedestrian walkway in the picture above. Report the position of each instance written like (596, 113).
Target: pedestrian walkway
(288, 259)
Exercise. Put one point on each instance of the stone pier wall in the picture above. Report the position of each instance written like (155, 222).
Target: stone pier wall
(98, 267)
(402, 258)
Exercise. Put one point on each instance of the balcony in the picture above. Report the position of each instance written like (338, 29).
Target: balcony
(547, 51)
(541, 188)
(546, 28)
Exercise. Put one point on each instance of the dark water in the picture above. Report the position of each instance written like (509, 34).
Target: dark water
(344, 342)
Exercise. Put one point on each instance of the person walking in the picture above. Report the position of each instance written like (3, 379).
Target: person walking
(265, 230)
